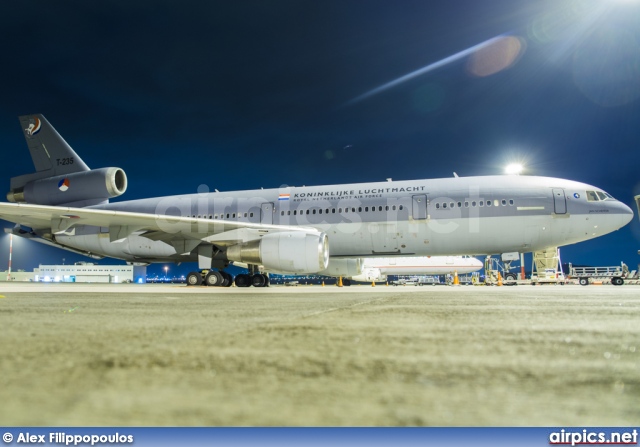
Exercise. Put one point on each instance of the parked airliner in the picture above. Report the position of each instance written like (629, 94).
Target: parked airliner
(377, 269)
(295, 229)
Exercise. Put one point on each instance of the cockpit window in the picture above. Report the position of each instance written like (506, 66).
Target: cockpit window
(596, 196)
(592, 196)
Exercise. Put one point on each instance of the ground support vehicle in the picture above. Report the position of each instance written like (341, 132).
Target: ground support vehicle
(427, 281)
(546, 269)
(588, 275)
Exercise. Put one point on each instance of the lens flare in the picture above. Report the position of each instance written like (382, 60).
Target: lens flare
(442, 62)
(498, 56)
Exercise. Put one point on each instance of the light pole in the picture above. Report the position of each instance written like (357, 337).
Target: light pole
(10, 253)
(166, 269)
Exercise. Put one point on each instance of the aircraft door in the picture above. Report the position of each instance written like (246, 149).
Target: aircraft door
(266, 213)
(559, 201)
(419, 206)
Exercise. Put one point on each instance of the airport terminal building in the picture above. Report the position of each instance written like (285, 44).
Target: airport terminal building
(86, 273)
(82, 272)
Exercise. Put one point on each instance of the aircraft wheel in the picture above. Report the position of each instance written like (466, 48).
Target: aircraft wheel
(584, 282)
(258, 280)
(346, 282)
(213, 278)
(617, 281)
(267, 281)
(243, 280)
(227, 279)
(511, 276)
(194, 279)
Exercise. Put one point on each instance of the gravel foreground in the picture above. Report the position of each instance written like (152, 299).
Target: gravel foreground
(136, 355)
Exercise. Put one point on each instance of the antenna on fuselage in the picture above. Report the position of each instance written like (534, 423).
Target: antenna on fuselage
(455, 175)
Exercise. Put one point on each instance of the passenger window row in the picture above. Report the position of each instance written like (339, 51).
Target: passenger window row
(359, 209)
(473, 203)
(345, 210)
(221, 216)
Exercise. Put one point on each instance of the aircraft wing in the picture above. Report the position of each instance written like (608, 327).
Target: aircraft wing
(120, 224)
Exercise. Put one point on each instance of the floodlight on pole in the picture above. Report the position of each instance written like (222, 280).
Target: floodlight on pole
(10, 254)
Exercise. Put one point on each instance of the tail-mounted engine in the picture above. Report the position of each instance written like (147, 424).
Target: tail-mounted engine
(286, 252)
(84, 188)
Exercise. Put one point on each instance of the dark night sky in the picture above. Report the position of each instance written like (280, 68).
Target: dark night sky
(244, 94)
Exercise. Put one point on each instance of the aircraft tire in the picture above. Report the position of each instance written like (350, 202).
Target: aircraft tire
(194, 279)
(258, 280)
(617, 281)
(243, 280)
(228, 279)
(213, 279)
(267, 281)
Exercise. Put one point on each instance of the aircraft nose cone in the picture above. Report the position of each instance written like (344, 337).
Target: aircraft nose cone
(626, 214)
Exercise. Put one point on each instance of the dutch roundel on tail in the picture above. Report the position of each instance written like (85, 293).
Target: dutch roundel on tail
(299, 230)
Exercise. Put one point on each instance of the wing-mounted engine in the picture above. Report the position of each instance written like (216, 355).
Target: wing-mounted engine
(347, 268)
(287, 252)
(78, 188)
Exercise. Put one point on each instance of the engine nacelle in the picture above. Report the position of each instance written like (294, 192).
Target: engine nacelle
(347, 268)
(286, 252)
(370, 275)
(96, 185)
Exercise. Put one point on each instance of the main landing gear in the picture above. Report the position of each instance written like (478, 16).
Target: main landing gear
(255, 280)
(211, 278)
(216, 278)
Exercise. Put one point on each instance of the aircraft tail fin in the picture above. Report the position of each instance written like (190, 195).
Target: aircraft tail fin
(51, 154)
(61, 177)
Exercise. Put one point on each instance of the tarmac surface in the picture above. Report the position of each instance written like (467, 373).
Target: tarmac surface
(168, 355)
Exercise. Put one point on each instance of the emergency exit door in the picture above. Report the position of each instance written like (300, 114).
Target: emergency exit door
(266, 213)
(419, 208)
